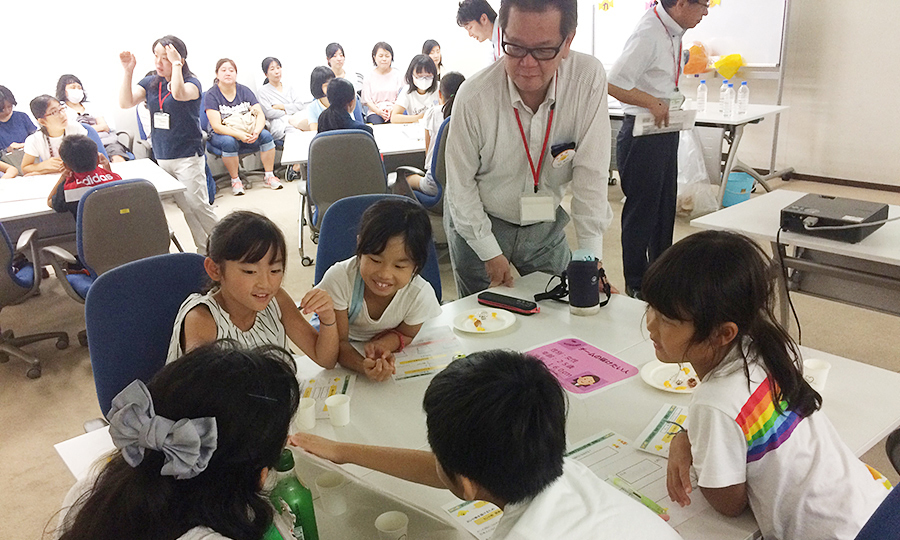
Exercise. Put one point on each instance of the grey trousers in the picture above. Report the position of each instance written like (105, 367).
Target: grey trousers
(541, 247)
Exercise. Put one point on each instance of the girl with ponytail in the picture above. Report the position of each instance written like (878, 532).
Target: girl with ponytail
(341, 103)
(755, 435)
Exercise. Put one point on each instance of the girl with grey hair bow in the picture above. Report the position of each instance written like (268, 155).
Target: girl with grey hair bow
(194, 447)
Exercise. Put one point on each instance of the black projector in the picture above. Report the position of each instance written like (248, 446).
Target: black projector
(813, 211)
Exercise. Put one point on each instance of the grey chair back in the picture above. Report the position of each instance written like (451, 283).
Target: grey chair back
(120, 222)
(342, 163)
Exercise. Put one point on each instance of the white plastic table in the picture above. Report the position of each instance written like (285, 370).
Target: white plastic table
(865, 274)
(392, 139)
(864, 406)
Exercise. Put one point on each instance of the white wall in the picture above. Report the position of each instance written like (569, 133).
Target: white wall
(843, 69)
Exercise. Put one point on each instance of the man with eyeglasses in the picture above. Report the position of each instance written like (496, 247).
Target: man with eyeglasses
(645, 79)
(521, 131)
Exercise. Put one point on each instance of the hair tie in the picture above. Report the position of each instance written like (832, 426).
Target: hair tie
(187, 444)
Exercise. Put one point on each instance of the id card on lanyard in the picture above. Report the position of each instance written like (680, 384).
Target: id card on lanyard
(160, 118)
(677, 98)
(536, 207)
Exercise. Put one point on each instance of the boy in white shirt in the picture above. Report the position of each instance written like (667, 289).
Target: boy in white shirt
(497, 429)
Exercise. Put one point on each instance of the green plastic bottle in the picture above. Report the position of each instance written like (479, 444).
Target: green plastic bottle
(289, 495)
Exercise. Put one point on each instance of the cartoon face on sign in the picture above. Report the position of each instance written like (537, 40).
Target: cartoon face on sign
(586, 380)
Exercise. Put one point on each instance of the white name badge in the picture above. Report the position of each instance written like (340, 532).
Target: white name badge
(161, 120)
(534, 207)
(677, 100)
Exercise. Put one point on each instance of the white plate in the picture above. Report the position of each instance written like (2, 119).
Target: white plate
(657, 374)
(491, 320)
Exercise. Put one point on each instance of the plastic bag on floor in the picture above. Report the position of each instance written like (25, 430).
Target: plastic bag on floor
(696, 196)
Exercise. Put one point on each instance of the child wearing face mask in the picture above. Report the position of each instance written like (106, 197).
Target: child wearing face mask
(420, 93)
(70, 91)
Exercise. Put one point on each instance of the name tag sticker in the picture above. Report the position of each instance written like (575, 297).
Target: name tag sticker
(161, 120)
(536, 208)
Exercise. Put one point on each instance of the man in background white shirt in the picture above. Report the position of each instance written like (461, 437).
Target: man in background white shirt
(645, 79)
(480, 21)
(521, 131)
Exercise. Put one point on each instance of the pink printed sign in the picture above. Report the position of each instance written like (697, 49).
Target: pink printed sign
(582, 368)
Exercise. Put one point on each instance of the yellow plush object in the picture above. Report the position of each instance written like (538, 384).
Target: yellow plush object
(698, 61)
(727, 66)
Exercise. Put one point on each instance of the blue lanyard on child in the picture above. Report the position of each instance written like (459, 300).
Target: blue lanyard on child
(356, 300)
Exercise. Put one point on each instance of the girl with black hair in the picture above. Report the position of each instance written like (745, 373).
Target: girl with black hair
(379, 297)
(335, 58)
(756, 435)
(247, 257)
(41, 152)
(283, 104)
(342, 102)
(70, 91)
(419, 94)
(194, 447)
(433, 49)
(15, 126)
(318, 85)
(434, 117)
(382, 85)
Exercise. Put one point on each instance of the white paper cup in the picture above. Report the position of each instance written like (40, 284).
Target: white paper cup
(815, 372)
(338, 409)
(392, 526)
(331, 493)
(305, 419)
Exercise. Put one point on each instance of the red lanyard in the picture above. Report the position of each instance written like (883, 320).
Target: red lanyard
(496, 43)
(160, 97)
(675, 54)
(536, 173)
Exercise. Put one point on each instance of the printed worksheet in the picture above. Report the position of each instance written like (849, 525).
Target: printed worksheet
(431, 351)
(323, 386)
(478, 517)
(658, 434)
(611, 456)
(582, 368)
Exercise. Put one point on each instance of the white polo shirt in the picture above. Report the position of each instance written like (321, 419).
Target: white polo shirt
(651, 58)
(487, 168)
(580, 506)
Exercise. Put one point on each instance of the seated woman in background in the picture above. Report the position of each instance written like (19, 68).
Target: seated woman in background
(15, 126)
(42, 147)
(282, 104)
(420, 93)
(238, 125)
(342, 102)
(194, 448)
(381, 86)
(334, 57)
(318, 84)
(70, 91)
(433, 49)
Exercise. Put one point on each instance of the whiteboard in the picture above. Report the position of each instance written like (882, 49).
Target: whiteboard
(751, 28)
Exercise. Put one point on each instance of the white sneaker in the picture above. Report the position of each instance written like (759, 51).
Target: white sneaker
(237, 187)
(273, 183)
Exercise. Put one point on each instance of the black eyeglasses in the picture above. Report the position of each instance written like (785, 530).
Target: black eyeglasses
(538, 53)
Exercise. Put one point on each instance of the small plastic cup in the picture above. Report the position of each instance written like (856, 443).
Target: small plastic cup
(330, 486)
(392, 526)
(815, 372)
(305, 419)
(338, 409)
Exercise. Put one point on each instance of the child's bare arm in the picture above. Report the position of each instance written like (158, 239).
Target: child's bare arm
(731, 500)
(321, 346)
(377, 369)
(413, 465)
(198, 328)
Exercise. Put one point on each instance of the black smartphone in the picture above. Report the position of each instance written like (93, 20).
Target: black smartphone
(509, 303)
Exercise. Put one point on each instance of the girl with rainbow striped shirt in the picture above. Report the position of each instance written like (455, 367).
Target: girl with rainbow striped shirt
(756, 435)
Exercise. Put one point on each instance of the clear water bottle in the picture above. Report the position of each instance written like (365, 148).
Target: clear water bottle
(702, 94)
(728, 101)
(722, 90)
(743, 98)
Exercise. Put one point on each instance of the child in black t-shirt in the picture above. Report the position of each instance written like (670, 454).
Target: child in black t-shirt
(85, 168)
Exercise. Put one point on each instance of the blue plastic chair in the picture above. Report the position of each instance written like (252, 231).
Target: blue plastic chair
(92, 133)
(885, 522)
(438, 169)
(337, 237)
(130, 315)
